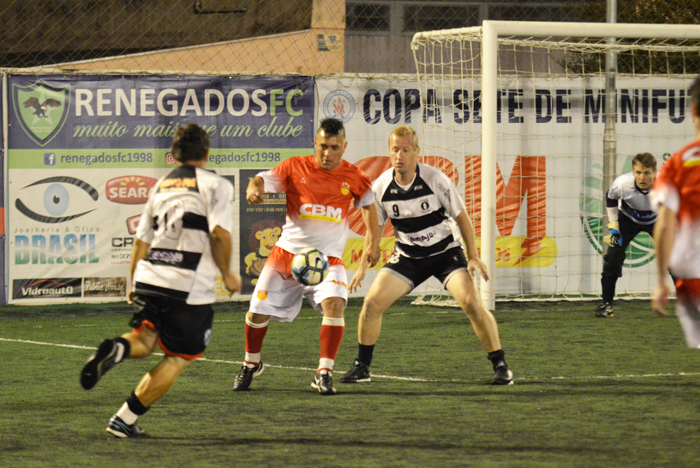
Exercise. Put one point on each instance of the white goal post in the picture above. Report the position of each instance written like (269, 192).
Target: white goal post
(526, 67)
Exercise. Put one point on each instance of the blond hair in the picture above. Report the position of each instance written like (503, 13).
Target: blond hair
(405, 130)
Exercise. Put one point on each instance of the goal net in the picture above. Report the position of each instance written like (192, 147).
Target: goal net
(538, 119)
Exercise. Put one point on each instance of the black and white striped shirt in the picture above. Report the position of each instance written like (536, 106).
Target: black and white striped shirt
(419, 214)
(631, 200)
(181, 212)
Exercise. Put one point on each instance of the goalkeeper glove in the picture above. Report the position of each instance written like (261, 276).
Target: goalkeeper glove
(614, 238)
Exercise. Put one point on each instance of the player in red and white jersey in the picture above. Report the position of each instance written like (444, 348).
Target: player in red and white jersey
(320, 189)
(318, 201)
(676, 197)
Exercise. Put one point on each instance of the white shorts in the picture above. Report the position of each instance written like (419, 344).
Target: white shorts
(280, 296)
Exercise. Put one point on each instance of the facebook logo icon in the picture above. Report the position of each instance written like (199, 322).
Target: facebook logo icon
(49, 159)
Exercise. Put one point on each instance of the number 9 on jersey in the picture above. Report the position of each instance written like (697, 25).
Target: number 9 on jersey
(310, 266)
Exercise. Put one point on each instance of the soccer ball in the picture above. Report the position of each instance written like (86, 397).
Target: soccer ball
(310, 266)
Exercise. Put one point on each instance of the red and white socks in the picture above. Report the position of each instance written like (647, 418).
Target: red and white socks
(254, 336)
(332, 330)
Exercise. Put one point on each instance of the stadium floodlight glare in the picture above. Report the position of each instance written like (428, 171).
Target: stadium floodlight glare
(506, 73)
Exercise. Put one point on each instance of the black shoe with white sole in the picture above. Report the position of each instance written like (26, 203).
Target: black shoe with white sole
(358, 374)
(604, 310)
(324, 384)
(99, 363)
(118, 428)
(503, 376)
(245, 376)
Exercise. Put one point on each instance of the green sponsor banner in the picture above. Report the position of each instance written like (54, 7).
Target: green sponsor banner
(147, 158)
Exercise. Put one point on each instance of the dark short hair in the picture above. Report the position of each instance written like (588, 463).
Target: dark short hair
(331, 128)
(695, 94)
(645, 159)
(190, 143)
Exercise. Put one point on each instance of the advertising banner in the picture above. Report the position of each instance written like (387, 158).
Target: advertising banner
(260, 228)
(550, 197)
(3, 297)
(84, 152)
(369, 118)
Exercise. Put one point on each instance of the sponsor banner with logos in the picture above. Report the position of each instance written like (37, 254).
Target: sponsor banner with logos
(84, 152)
(46, 288)
(550, 197)
(260, 228)
(3, 297)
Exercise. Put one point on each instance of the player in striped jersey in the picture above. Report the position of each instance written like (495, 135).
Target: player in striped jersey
(629, 213)
(320, 189)
(183, 239)
(676, 197)
(419, 200)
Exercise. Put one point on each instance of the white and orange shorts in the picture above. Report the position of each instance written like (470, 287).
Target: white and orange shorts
(688, 309)
(280, 296)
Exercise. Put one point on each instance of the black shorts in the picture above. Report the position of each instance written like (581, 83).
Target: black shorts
(416, 270)
(184, 330)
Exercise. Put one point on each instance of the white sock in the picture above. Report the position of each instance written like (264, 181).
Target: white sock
(325, 365)
(126, 414)
(252, 359)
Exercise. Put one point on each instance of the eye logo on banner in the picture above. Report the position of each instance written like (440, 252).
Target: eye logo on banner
(41, 109)
(339, 104)
(56, 199)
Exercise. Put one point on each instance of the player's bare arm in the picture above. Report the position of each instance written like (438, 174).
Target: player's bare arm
(373, 235)
(221, 248)
(466, 228)
(359, 275)
(356, 280)
(664, 236)
(371, 250)
(254, 191)
(138, 252)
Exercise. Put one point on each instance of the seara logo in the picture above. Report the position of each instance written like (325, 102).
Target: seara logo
(339, 104)
(41, 109)
(591, 203)
(129, 190)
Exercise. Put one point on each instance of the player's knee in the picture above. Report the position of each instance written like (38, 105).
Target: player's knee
(252, 317)
(471, 305)
(371, 308)
(178, 364)
(611, 270)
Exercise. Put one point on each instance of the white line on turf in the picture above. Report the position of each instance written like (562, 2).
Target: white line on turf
(390, 377)
(222, 361)
(46, 344)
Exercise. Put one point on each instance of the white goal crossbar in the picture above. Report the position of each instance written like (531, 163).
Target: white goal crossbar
(490, 32)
